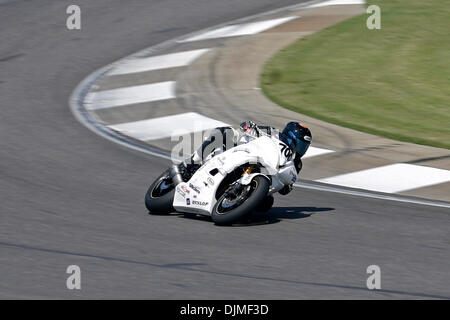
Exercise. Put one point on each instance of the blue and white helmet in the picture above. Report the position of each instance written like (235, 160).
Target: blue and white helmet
(297, 136)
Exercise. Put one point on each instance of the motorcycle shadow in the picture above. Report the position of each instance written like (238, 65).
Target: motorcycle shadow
(274, 215)
(278, 214)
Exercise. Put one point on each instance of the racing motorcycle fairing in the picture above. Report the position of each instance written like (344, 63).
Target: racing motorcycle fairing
(198, 195)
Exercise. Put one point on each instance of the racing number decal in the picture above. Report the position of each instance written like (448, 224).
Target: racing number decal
(286, 151)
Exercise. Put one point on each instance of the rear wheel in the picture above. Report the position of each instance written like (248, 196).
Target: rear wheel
(231, 207)
(159, 196)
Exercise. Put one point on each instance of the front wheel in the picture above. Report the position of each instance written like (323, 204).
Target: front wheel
(266, 204)
(230, 208)
(159, 196)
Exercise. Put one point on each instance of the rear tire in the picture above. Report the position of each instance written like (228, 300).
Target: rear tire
(258, 189)
(159, 200)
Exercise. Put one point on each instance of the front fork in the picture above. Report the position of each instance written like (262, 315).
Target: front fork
(248, 170)
(237, 187)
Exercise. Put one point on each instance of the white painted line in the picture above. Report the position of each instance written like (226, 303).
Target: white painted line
(336, 3)
(313, 152)
(166, 127)
(171, 60)
(368, 194)
(130, 95)
(240, 29)
(392, 178)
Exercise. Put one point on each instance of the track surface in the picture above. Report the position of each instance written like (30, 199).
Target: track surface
(70, 197)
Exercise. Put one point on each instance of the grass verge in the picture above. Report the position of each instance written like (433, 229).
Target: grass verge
(392, 82)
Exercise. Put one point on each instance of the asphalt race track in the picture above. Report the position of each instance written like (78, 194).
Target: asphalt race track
(70, 197)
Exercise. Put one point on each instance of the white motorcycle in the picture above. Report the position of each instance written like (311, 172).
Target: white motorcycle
(229, 185)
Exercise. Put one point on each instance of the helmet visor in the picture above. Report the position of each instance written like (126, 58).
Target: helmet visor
(297, 144)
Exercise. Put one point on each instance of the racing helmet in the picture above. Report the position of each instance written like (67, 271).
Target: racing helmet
(297, 136)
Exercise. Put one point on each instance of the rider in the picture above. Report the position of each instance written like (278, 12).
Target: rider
(295, 135)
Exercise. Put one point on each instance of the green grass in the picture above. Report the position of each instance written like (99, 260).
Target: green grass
(393, 82)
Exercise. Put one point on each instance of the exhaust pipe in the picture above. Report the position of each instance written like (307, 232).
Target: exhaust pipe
(176, 175)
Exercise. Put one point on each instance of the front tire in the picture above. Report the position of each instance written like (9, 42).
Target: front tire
(226, 211)
(159, 196)
(266, 204)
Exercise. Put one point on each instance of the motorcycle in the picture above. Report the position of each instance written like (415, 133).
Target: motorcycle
(229, 185)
